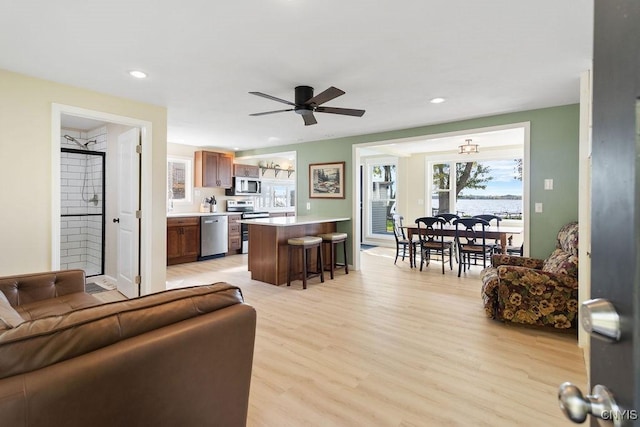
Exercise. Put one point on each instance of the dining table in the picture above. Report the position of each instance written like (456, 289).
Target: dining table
(492, 232)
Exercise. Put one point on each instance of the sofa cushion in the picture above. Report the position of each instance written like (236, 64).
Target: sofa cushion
(568, 238)
(55, 306)
(27, 288)
(9, 317)
(48, 340)
(561, 262)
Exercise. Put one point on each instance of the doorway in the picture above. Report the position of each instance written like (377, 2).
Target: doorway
(98, 197)
(411, 194)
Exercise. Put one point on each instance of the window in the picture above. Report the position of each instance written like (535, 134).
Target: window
(492, 186)
(277, 194)
(179, 179)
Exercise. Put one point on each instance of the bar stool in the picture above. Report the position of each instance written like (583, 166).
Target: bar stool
(333, 239)
(306, 243)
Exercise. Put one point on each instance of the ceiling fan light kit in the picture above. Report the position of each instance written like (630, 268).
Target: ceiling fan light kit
(468, 148)
(306, 104)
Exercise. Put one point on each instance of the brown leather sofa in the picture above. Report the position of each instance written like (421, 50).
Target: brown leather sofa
(177, 358)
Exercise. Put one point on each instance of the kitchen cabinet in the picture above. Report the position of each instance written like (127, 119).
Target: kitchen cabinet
(235, 234)
(183, 239)
(248, 171)
(281, 214)
(213, 169)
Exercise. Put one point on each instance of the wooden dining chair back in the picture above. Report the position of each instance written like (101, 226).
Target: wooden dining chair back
(489, 218)
(432, 240)
(492, 220)
(448, 217)
(471, 242)
(402, 243)
(448, 220)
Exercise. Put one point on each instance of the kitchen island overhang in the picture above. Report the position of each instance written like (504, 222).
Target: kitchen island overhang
(268, 247)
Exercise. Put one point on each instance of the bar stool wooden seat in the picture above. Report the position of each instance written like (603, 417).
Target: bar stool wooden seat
(306, 243)
(333, 239)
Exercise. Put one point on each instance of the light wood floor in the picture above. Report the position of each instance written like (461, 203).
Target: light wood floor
(391, 346)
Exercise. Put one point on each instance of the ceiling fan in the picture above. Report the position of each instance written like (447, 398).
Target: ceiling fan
(306, 104)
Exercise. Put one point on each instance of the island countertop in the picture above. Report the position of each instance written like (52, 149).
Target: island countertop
(290, 221)
(268, 259)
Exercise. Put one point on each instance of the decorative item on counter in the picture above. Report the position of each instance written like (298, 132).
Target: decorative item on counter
(213, 204)
(205, 206)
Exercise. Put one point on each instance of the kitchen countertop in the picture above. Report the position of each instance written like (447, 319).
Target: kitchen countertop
(286, 221)
(185, 214)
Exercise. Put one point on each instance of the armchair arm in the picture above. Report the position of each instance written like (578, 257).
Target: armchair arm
(537, 297)
(27, 288)
(503, 259)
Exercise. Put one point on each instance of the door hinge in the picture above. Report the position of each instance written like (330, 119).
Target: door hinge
(137, 280)
(138, 214)
(139, 149)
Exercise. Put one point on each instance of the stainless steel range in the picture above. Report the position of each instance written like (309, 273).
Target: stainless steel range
(246, 208)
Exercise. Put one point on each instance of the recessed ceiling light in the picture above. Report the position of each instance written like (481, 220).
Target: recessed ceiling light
(138, 74)
(437, 100)
(236, 148)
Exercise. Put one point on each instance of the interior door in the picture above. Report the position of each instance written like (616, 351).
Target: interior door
(128, 205)
(615, 213)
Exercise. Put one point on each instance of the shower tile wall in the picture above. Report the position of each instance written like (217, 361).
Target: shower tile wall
(81, 236)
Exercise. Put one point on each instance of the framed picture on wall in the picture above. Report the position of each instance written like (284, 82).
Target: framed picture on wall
(326, 180)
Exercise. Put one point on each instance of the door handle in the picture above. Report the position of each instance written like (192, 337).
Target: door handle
(600, 319)
(116, 220)
(599, 404)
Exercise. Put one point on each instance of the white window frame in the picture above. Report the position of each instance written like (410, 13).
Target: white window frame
(452, 159)
(188, 184)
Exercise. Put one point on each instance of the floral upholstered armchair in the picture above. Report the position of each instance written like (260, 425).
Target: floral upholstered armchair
(534, 291)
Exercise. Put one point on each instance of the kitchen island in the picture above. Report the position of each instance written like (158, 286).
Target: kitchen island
(268, 247)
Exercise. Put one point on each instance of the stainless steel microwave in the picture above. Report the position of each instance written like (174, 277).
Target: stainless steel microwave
(244, 186)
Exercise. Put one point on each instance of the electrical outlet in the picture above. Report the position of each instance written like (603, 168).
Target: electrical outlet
(308, 206)
(538, 207)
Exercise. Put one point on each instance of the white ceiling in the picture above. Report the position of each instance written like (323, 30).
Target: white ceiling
(391, 58)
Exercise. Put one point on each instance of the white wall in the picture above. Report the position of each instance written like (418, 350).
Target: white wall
(26, 106)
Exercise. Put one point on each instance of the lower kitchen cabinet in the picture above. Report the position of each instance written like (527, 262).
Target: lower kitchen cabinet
(235, 234)
(183, 239)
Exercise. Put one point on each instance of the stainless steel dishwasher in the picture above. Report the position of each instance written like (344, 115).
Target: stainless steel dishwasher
(214, 232)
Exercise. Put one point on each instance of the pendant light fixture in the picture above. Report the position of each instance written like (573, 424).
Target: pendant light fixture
(468, 148)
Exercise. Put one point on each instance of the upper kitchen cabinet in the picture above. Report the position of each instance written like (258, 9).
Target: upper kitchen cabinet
(248, 171)
(213, 169)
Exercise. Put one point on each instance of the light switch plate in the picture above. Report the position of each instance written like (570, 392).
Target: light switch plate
(548, 184)
(308, 206)
(538, 207)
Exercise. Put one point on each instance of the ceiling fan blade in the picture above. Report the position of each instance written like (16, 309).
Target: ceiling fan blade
(270, 112)
(345, 111)
(273, 98)
(309, 119)
(327, 95)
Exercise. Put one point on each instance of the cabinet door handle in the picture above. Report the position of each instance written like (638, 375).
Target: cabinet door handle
(116, 220)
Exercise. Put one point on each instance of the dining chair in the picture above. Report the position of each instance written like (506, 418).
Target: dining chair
(497, 248)
(448, 220)
(471, 241)
(402, 243)
(433, 241)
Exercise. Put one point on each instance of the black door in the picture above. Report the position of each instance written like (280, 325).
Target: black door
(615, 207)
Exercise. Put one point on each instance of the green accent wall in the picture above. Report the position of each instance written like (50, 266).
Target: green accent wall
(553, 154)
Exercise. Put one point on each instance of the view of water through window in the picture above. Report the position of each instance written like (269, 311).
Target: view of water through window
(484, 187)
